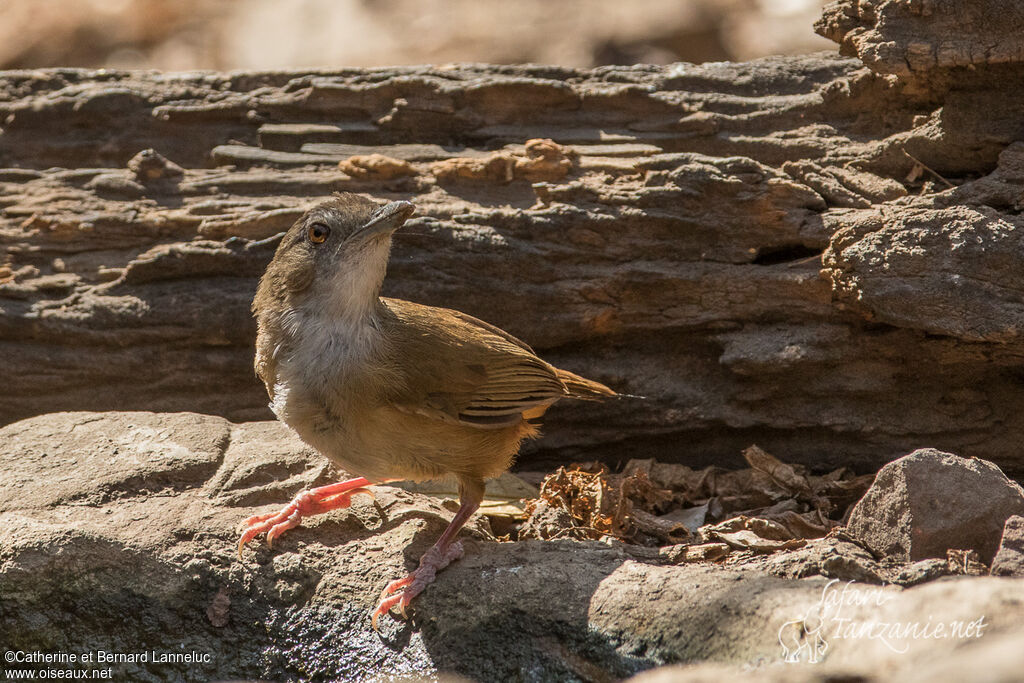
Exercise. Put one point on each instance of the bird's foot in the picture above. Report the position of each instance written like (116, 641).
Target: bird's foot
(311, 502)
(401, 592)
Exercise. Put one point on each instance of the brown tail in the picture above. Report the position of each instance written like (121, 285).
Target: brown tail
(582, 388)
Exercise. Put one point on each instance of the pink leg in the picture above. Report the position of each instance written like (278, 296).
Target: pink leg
(312, 502)
(401, 592)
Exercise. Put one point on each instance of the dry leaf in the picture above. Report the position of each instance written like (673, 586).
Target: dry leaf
(748, 540)
(777, 502)
(966, 562)
(799, 525)
(751, 533)
(778, 472)
(585, 496)
(505, 496)
(692, 518)
(665, 530)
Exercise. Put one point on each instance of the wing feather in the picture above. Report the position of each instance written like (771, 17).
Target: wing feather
(464, 370)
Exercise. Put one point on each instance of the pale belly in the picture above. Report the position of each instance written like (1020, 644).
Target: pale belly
(382, 442)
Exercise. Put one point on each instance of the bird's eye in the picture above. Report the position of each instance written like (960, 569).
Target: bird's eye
(318, 233)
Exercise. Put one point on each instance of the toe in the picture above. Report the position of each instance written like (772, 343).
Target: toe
(252, 532)
(256, 519)
(279, 529)
(396, 585)
(385, 606)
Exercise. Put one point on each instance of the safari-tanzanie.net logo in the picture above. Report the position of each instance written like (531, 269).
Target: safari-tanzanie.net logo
(851, 611)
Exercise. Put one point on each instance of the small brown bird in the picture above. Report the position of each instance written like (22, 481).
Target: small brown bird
(388, 389)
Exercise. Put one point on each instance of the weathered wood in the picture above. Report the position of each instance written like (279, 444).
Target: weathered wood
(672, 250)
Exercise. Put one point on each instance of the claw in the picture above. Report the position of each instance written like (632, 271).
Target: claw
(387, 600)
(400, 592)
(385, 606)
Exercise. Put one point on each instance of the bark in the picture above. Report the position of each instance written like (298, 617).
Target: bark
(798, 252)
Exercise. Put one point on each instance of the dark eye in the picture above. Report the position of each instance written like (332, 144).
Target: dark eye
(318, 233)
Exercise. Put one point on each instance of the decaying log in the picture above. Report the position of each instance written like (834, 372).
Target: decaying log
(796, 252)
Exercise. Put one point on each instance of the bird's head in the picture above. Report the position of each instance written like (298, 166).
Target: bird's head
(333, 260)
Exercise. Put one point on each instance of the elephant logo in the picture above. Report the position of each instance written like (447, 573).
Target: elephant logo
(803, 639)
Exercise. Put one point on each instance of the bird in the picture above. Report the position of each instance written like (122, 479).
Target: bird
(388, 389)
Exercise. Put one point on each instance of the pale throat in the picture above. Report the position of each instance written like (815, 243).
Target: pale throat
(337, 324)
(352, 294)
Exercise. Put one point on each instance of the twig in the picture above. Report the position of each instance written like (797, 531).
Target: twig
(922, 165)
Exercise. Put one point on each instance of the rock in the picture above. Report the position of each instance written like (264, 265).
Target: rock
(921, 572)
(929, 502)
(908, 38)
(665, 241)
(943, 271)
(834, 557)
(547, 521)
(375, 167)
(149, 166)
(117, 529)
(1009, 560)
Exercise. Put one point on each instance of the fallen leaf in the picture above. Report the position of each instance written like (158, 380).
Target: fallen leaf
(504, 496)
(748, 540)
(692, 518)
(778, 472)
(665, 530)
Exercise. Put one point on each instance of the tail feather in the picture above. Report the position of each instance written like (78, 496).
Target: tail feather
(582, 388)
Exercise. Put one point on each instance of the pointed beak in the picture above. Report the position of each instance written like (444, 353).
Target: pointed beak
(387, 219)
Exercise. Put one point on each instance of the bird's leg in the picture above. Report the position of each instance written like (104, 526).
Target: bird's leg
(311, 502)
(401, 592)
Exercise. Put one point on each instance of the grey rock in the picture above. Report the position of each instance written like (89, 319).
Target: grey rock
(118, 533)
(928, 502)
(1009, 560)
(945, 271)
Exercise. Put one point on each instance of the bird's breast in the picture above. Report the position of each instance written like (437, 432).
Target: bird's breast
(320, 366)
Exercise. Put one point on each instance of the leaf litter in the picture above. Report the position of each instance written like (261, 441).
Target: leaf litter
(694, 515)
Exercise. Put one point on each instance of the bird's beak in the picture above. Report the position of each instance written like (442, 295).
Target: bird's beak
(387, 219)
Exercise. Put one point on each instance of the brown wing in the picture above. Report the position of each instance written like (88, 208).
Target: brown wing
(459, 369)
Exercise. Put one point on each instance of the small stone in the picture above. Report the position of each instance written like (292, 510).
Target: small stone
(375, 167)
(547, 521)
(965, 562)
(921, 572)
(219, 609)
(929, 502)
(1009, 561)
(149, 165)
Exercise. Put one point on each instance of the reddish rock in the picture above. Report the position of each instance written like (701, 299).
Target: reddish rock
(928, 502)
